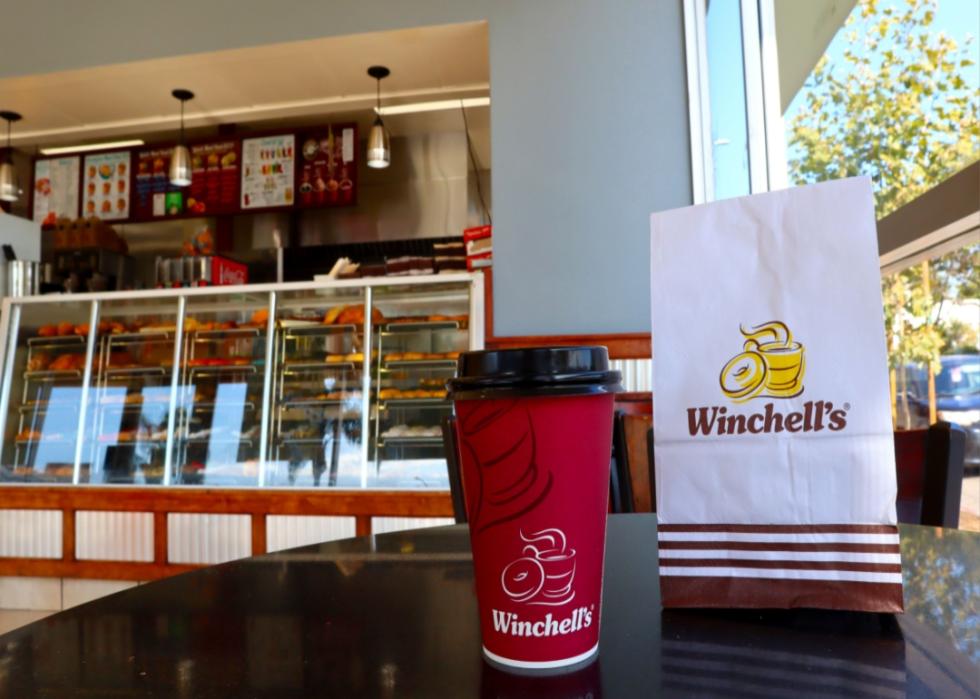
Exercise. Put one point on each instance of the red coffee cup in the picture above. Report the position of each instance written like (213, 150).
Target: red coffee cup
(535, 429)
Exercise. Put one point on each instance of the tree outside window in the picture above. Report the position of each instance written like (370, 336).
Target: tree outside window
(898, 100)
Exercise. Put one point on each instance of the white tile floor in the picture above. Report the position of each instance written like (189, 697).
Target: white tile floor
(25, 600)
(11, 619)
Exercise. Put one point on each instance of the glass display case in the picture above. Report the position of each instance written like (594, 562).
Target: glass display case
(313, 385)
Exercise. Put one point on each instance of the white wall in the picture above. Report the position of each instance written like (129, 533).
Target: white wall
(23, 235)
(589, 135)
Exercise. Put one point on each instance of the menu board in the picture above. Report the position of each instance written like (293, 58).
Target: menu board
(56, 183)
(327, 173)
(215, 177)
(153, 195)
(106, 185)
(268, 171)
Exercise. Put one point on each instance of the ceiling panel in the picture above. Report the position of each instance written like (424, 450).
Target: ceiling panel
(261, 84)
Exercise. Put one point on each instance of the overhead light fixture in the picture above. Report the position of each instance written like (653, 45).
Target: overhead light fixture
(61, 150)
(180, 161)
(434, 106)
(9, 191)
(378, 145)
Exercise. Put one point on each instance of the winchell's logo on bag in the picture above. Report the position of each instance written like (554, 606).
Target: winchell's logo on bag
(771, 365)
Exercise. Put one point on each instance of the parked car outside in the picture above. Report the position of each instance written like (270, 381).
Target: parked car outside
(957, 399)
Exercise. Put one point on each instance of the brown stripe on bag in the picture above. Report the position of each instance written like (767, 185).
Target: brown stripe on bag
(783, 565)
(683, 591)
(781, 528)
(776, 546)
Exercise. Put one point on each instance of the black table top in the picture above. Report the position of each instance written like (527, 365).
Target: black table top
(395, 615)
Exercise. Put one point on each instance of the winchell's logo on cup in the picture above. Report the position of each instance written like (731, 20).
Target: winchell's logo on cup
(542, 576)
(771, 365)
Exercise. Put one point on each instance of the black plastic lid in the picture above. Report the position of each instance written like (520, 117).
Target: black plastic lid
(534, 371)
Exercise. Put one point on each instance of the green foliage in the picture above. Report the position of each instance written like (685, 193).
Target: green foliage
(897, 109)
(959, 337)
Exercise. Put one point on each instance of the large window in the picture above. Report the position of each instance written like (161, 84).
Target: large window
(932, 321)
(791, 92)
(726, 91)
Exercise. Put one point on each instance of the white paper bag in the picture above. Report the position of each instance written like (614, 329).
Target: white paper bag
(775, 467)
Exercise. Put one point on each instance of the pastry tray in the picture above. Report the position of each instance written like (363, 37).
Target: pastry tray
(53, 374)
(224, 332)
(220, 440)
(248, 406)
(222, 369)
(320, 329)
(56, 340)
(415, 403)
(415, 326)
(137, 371)
(306, 367)
(46, 406)
(318, 402)
(119, 405)
(409, 363)
(130, 442)
(148, 335)
(47, 440)
(303, 441)
(409, 441)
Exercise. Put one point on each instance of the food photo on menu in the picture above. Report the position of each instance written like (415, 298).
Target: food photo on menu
(326, 168)
(268, 173)
(106, 185)
(154, 195)
(214, 178)
(56, 182)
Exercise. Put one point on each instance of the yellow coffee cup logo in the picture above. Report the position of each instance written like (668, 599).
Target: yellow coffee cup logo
(771, 364)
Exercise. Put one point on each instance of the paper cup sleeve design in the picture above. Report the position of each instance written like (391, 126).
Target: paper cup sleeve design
(510, 481)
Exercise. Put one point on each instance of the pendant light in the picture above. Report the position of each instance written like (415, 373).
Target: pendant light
(378, 145)
(9, 191)
(180, 161)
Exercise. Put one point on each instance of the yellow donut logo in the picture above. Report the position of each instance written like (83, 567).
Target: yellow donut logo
(771, 364)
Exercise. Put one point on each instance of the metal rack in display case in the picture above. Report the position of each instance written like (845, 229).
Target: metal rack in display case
(317, 385)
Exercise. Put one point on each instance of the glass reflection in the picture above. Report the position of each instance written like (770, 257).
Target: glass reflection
(942, 583)
(585, 683)
(773, 653)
